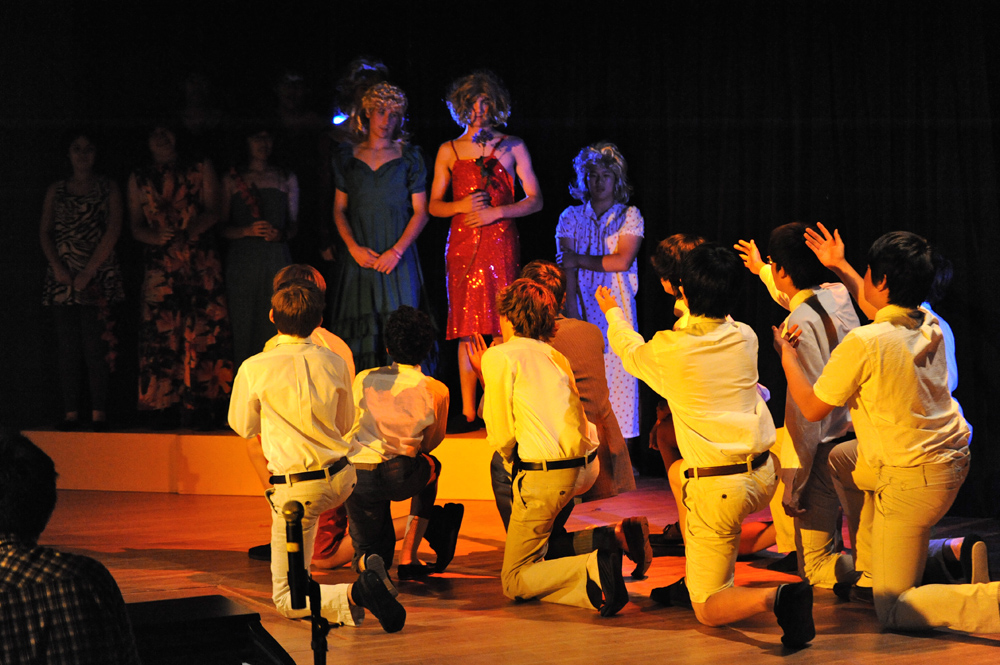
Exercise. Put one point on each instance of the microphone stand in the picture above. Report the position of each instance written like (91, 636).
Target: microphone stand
(301, 584)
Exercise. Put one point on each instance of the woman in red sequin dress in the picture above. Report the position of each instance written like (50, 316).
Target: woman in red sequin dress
(483, 252)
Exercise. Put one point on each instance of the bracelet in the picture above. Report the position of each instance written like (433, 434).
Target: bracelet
(399, 255)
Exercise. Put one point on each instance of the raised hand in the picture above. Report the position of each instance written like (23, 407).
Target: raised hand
(786, 338)
(827, 247)
(476, 346)
(605, 300)
(750, 255)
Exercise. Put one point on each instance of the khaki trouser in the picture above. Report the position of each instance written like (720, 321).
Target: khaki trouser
(539, 496)
(906, 502)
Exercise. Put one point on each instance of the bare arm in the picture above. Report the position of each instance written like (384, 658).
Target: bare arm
(364, 256)
(292, 227)
(209, 215)
(829, 249)
(107, 243)
(628, 249)
(141, 230)
(573, 302)
(437, 206)
(259, 462)
(62, 272)
(390, 258)
(531, 203)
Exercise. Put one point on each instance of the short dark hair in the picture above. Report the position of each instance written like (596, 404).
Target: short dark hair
(409, 335)
(27, 486)
(298, 309)
(710, 276)
(905, 261)
(549, 275)
(670, 253)
(298, 272)
(788, 250)
(530, 308)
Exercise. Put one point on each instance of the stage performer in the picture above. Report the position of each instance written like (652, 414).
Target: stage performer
(483, 252)
(380, 207)
(81, 222)
(822, 313)
(912, 444)
(293, 404)
(707, 371)
(260, 208)
(583, 345)
(597, 244)
(535, 420)
(401, 419)
(185, 354)
(55, 607)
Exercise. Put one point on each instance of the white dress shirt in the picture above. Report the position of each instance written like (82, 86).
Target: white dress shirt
(893, 374)
(707, 371)
(298, 398)
(531, 400)
(323, 337)
(813, 352)
(400, 412)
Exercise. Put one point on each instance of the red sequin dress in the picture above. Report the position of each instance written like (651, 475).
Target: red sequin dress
(481, 261)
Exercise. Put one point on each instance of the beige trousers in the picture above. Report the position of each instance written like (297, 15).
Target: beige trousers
(539, 496)
(907, 502)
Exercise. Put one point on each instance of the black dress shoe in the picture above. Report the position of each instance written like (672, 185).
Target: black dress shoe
(636, 532)
(463, 426)
(371, 592)
(413, 571)
(854, 593)
(673, 595)
(786, 564)
(793, 608)
(442, 532)
(613, 589)
(260, 552)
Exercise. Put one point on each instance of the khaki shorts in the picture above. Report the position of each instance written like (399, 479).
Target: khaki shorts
(716, 507)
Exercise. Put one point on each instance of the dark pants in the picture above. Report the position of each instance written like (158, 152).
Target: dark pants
(368, 507)
(78, 331)
(561, 542)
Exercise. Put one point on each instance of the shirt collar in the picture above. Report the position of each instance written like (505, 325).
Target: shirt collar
(799, 298)
(589, 209)
(901, 316)
(698, 324)
(291, 339)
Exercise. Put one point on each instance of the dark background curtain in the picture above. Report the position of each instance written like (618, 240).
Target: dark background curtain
(735, 117)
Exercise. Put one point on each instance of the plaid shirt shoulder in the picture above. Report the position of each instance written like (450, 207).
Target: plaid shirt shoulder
(60, 608)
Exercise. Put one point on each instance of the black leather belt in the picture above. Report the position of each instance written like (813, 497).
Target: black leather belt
(292, 478)
(729, 469)
(558, 463)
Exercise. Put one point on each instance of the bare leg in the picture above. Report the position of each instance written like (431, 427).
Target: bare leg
(414, 533)
(756, 536)
(734, 604)
(468, 380)
(345, 553)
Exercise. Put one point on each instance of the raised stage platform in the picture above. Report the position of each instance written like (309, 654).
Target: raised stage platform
(188, 462)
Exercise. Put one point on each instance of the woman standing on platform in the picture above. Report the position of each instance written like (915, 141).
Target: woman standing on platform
(483, 252)
(81, 222)
(185, 356)
(260, 202)
(597, 244)
(379, 207)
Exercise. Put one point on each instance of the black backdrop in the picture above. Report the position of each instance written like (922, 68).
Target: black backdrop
(735, 117)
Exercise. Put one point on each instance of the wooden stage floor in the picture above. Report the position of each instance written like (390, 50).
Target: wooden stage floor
(161, 546)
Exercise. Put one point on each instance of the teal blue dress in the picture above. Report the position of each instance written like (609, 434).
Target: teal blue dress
(251, 264)
(379, 206)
